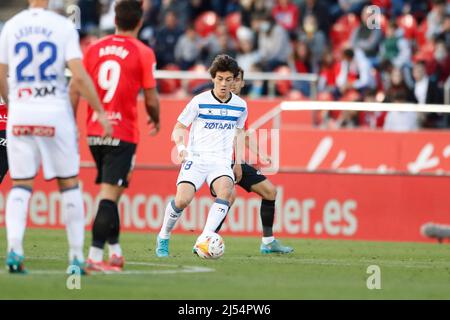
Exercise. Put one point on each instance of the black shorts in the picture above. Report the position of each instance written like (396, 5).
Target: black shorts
(114, 160)
(3, 156)
(250, 177)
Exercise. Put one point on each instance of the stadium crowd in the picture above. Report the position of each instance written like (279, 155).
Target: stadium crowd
(398, 51)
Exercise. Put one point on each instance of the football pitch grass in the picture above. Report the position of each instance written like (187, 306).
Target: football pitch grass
(318, 269)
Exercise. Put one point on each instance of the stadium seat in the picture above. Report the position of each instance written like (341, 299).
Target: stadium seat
(409, 25)
(342, 30)
(384, 4)
(233, 22)
(206, 23)
(167, 86)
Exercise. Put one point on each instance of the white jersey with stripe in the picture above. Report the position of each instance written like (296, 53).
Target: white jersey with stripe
(213, 125)
(36, 44)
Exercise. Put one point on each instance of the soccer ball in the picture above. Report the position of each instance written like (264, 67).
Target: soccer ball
(210, 246)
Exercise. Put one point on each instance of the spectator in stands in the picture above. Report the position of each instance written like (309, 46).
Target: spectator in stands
(196, 8)
(354, 72)
(251, 8)
(397, 83)
(442, 58)
(90, 15)
(319, 10)
(300, 61)
(427, 91)
(219, 42)
(223, 8)
(347, 6)
(315, 39)
(179, 7)
(395, 48)
(371, 119)
(187, 49)
(400, 120)
(328, 73)
(151, 22)
(366, 37)
(435, 19)
(445, 34)
(416, 8)
(166, 40)
(286, 14)
(273, 43)
(247, 56)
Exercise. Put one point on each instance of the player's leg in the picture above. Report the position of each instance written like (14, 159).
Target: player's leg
(268, 193)
(23, 160)
(232, 199)
(221, 182)
(3, 156)
(110, 196)
(185, 194)
(74, 215)
(61, 161)
(114, 167)
(191, 177)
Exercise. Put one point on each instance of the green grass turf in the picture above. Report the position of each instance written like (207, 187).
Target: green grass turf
(318, 269)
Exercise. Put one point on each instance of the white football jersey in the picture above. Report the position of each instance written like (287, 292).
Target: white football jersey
(36, 44)
(213, 125)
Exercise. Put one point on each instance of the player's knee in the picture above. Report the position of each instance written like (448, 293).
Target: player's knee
(270, 193)
(69, 183)
(182, 202)
(225, 193)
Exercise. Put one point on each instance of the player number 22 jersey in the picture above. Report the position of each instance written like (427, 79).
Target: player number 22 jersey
(36, 44)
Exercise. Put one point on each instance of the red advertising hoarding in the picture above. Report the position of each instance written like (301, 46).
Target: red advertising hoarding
(389, 207)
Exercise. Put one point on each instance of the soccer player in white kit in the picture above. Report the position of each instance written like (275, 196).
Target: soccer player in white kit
(216, 117)
(35, 46)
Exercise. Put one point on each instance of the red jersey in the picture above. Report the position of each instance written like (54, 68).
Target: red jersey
(119, 66)
(3, 116)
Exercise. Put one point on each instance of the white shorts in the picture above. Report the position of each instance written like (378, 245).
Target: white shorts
(49, 137)
(196, 172)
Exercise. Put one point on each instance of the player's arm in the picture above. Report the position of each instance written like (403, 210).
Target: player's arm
(178, 137)
(4, 82)
(151, 100)
(239, 144)
(74, 96)
(82, 83)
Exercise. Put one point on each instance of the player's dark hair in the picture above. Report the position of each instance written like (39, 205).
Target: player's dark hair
(223, 63)
(128, 14)
(241, 72)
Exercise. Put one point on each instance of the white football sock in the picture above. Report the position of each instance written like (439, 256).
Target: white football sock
(115, 249)
(216, 214)
(95, 254)
(171, 216)
(73, 212)
(267, 240)
(16, 217)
